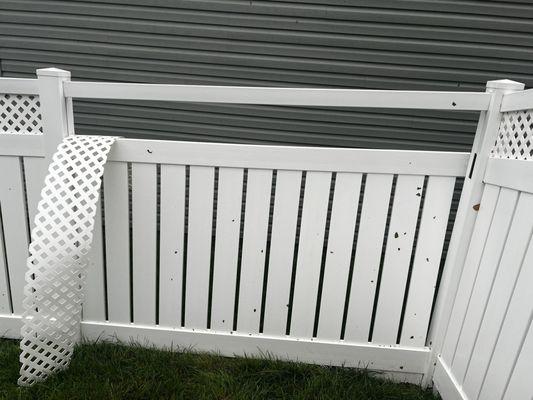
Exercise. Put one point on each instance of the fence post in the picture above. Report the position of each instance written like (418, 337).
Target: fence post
(486, 134)
(56, 110)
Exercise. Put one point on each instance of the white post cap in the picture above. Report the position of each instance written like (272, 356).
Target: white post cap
(505, 84)
(56, 72)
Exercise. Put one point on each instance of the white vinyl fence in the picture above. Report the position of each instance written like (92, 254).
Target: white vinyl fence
(488, 345)
(322, 255)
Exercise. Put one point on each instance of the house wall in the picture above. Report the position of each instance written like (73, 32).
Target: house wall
(380, 44)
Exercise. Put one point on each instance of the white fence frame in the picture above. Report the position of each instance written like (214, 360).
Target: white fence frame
(56, 92)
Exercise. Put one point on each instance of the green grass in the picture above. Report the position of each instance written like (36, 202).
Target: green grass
(108, 371)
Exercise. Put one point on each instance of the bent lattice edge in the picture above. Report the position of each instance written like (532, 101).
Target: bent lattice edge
(61, 240)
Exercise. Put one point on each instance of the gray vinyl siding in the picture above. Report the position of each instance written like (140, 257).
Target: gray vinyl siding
(381, 44)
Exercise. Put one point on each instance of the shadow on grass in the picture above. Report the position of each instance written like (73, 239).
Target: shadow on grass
(110, 371)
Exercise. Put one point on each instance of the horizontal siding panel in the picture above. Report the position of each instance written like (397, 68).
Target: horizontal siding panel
(231, 76)
(276, 15)
(498, 8)
(149, 124)
(302, 119)
(264, 68)
(506, 8)
(169, 47)
(230, 64)
(229, 136)
(351, 39)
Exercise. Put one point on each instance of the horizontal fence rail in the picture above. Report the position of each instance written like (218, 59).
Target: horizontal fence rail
(518, 101)
(19, 86)
(281, 96)
(261, 156)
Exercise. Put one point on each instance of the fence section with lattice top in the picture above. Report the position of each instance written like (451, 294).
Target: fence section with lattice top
(515, 137)
(21, 114)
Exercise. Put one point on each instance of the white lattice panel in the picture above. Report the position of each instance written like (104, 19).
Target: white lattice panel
(61, 240)
(515, 137)
(20, 114)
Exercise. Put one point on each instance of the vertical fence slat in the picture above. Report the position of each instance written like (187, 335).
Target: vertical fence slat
(15, 230)
(314, 213)
(256, 214)
(229, 204)
(5, 306)
(144, 214)
(466, 283)
(172, 224)
(338, 254)
(501, 292)
(281, 256)
(367, 256)
(492, 253)
(435, 214)
(517, 319)
(35, 170)
(519, 386)
(397, 257)
(94, 304)
(117, 226)
(201, 188)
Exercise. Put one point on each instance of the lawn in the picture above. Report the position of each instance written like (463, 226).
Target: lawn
(108, 371)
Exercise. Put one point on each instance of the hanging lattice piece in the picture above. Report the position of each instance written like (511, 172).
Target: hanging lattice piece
(61, 240)
(20, 114)
(515, 136)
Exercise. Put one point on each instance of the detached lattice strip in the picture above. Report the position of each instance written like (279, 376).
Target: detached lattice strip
(20, 114)
(61, 240)
(515, 137)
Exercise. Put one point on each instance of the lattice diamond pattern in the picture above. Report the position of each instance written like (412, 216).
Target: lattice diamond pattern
(61, 240)
(515, 137)
(20, 114)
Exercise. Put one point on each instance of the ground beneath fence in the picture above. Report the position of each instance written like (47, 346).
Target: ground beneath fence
(107, 371)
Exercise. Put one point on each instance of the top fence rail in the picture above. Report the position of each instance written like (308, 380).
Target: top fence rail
(474, 101)
(429, 100)
(19, 86)
(517, 101)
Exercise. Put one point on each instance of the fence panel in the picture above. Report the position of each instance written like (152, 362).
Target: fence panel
(487, 348)
(505, 281)
(325, 255)
(346, 297)
(492, 310)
